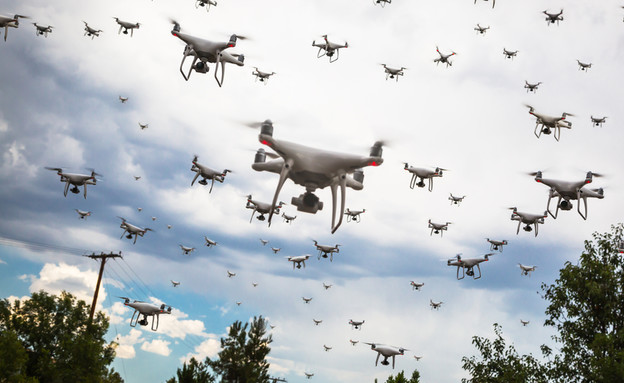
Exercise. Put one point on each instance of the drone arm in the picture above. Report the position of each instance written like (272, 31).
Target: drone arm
(536, 129)
(283, 176)
(187, 51)
(550, 195)
(133, 320)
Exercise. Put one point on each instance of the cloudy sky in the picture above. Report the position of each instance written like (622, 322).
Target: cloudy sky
(59, 107)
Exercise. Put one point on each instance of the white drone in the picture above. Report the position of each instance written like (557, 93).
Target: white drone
(526, 270)
(386, 351)
(76, 180)
(299, 260)
(146, 309)
(132, 230)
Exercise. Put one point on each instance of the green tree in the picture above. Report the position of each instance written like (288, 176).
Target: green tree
(193, 372)
(400, 378)
(49, 338)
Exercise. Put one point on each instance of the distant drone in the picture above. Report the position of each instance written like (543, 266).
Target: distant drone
(569, 190)
(438, 228)
(230, 274)
(207, 51)
(354, 342)
(317, 322)
(207, 174)
(327, 48)
(416, 286)
(531, 87)
(288, 218)
(143, 126)
(299, 260)
(444, 58)
(136, 178)
(526, 270)
(205, 3)
(496, 245)
(528, 219)
(153, 218)
(382, 2)
(386, 351)
(275, 250)
(313, 169)
(583, 66)
(13, 22)
(255, 284)
(480, 29)
(524, 322)
(306, 300)
(264, 241)
(423, 174)
(146, 309)
(551, 18)
(467, 265)
(262, 208)
(326, 250)
(76, 180)
(175, 284)
(132, 230)
(186, 250)
(456, 200)
(549, 123)
(493, 2)
(262, 76)
(356, 324)
(393, 72)
(417, 358)
(327, 287)
(598, 121)
(238, 303)
(91, 32)
(83, 214)
(126, 26)
(308, 375)
(354, 215)
(209, 242)
(123, 99)
(40, 30)
(327, 348)
(435, 305)
(509, 54)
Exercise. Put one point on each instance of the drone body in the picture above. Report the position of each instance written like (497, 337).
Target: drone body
(186, 250)
(382, 2)
(76, 180)
(526, 270)
(317, 322)
(531, 87)
(416, 286)
(264, 241)
(276, 249)
(12, 22)
(456, 200)
(299, 260)
(146, 309)
(123, 99)
(308, 375)
(528, 219)
(356, 324)
(509, 54)
(83, 214)
(327, 348)
(467, 265)
(325, 250)
(551, 18)
(329, 49)
(207, 174)
(306, 300)
(481, 30)
(205, 3)
(584, 66)
(423, 174)
(143, 126)
(438, 228)
(598, 121)
(132, 230)
(353, 342)
(91, 32)
(435, 305)
(444, 58)
(288, 218)
(262, 76)
(327, 287)
(393, 73)
(174, 283)
(354, 215)
(496, 245)
(41, 30)
(262, 208)
(524, 322)
(566, 191)
(547, 124)
(230, 274)
(125, 25)
(386, 352)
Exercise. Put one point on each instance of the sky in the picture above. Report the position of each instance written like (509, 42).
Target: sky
(59, 107)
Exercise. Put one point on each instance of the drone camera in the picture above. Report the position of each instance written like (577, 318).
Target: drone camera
(527, 228)
(201, 67)
(307, 202)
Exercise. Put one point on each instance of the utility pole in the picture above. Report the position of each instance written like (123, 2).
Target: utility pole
(103, 257)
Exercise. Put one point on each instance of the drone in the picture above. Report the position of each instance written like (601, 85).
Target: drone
(264, 241)
(313, 169)
(207, 51)
(136, 178)
(238, 303)
(444, 58)
(569, 190)
(186, 250)
(153, 218)
(416, 286)
(306, 300)
(254, 284)
(308, 375)
(143, 126)
(262, 76)
(438, 228)
(524, 322)
(230, 274)
(583, 66)
(549, 123)
(205, 3)
(551, 18)
(354, 342)
(393, 72)
(598, 121)
(435, 305)
(76, 180)
(174, 283)
(169, 226)
(325, 250)
(40, 30)
(526, 270)
(327, 287)
(327, 348)
(480, 29)
(126, 26)
(528, 219)
(12, 22)
(207, 174)
(298, 260)
(417, 358)
(146, 309)
(496, 245)
(423, 174)
(91, 32)
(123, 99)
(356, 324)
(288, 218)
(83, 214)
(386, 351)
(493, 2)
(275, 249)
(262, 208)
(140, 209)
(531, 87)
(509, 54)
(467, 265)
(382, 2)
(275, 380)
(317, 322)
(132, 230)
(456, 200)
(327, 48)
(354, 215)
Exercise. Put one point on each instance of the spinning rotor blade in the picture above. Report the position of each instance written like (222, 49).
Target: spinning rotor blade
(597, 174)
(94, 172)
(54, 169)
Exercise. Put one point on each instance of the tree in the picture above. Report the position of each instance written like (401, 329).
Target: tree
(49, 339)
(194, 372)
(400, 378)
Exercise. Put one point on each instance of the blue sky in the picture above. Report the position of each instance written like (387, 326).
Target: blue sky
(59, 107)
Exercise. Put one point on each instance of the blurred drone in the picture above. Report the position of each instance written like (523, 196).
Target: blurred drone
(209, 242)
(306, 300)
(444, 58)
(509, 54)
(262, 76)
(480, 29)
(136, 178)
(496, 245)
(308, 375)
(354, 342)
(382, 2)
(186, 250)
(230, 274)
(524, 322)
(207, 174)
(13, 22)
(354, 215)
(435, 305)
(132, 230)
(598, 121)
(207, 51)
(531, 87)
(386, 351)
(528, 219)
(175, 283)
(417, 358)
(327, 287)
(288, 218)
(255, 284)
(317, 322)
(91, 32)
(126, 26)
(143, 126)
(493, 2)
(467, 265)
(205, 3)
(325, 250)
(327, 348)
(393, 72)
(264, 241)
(40, 30)
(416, 286)
(262, 208)
(551, 18)
(123, 99)
(583, 66)
(423, 174)
(76, 180)
(456, 200)
(327, 48)
(526, 270)
(146, 309)
(82, 214)
(298, 260)
(356, 324)
(314, 169)
(438, 228)
(549, 123)
(275, 250)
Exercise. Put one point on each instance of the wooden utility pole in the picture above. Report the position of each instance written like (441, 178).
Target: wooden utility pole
(103, 257)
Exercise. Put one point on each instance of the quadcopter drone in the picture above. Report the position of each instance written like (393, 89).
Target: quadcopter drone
(467, 265)
(325, 250)
(531, 87)
(314, 169)
(327, 348)
(524, 322)
(126, 26)
(207, 174)
(207, 51)
(481, 30)
(306, 300)
(143, 126)
(264, 241)
(132, 230)
(153, 218)
(230, 274)
(551, 18)
(205, 3)
(417, 358)
(549, 123)
(496, 245)
(91, 32)
(146, 309)
(238, 303)
(76, 180)
(308, 375)
(598, 121)
(354, 215)
(136, 178)
(393, 72)
(13, 22)
(262, 208)
(327, 48)
(386, 351)
(288, 218)
(456, 200)
(262, 76)
(276, 249)
(569, 190)
(493, 2)
(438, 228)
(583, 66)
(435, 305)
(509, 54)
(444, 58)
(354, 342)
(382, 2)
(356, 324)
(255, 284)
(526, 270)
(298, 260)
(327, 287)
(83, 214)
(528, 219)
(186, 250)
(416, 286)
(123, 99)
(317, 322)
(423, 174)
(40, 30)
(174, 283)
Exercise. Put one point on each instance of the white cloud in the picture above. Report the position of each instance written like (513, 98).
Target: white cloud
(2, 262)
(14, 161)
(54, 278)
(125, 348)
(209, 348)
(157, 346)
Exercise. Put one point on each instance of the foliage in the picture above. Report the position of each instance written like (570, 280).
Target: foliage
(193, 372)
(49, 338)
(400, 378)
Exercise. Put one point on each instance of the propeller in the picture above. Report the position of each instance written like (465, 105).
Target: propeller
(93, 172)
(54, 169)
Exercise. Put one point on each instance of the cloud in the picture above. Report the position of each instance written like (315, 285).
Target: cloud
(157, 346)
(125, 348)
(209, 348)
(55, 278)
